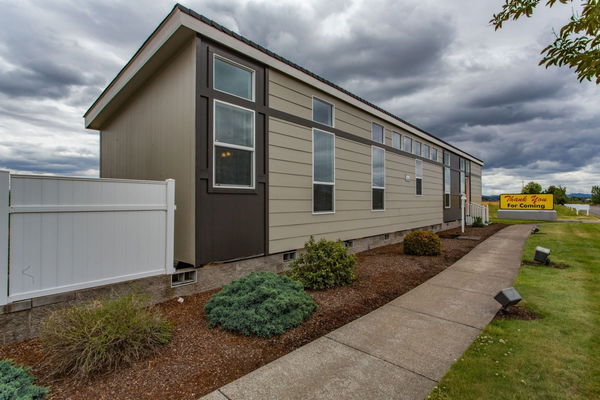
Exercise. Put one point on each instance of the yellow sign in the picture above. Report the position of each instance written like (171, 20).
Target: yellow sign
(527, 202)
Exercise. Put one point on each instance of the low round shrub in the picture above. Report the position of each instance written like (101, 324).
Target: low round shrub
(262, 304)
(422, 243)
(325, 264)
(102, 336)
(16, 383)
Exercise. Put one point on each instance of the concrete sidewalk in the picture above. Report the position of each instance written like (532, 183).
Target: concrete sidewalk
(401, 350)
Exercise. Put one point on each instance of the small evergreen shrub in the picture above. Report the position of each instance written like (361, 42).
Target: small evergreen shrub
(262, 304)
(422, 243)
(325, 264)
(478, 223)
(102, 336)
(17, 384)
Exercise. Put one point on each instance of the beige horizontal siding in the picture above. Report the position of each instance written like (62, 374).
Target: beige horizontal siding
(476, 189)
(291, 221)
(294, 97)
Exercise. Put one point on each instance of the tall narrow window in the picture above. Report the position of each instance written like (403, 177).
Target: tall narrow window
(396, 140)
(446, 158)
(407, 144)
(417, 148)
(463, 175)
(419, 177)
(434, 154)
(323, 172)
(233, 146)
(378, 178)
(233, 78)
(377, 132)
(322, 112)
(447, 186)
(425, 152)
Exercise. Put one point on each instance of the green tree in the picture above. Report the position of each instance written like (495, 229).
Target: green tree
(576, 45)
(596, 194)
(559, 192)
(532, 188)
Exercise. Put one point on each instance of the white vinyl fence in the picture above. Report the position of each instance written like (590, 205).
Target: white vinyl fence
(579, 207)
(477, 210)
(59, 234)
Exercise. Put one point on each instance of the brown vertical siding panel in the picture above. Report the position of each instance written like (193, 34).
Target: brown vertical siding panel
(153, 138)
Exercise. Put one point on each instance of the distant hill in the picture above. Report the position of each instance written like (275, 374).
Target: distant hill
(581, 195)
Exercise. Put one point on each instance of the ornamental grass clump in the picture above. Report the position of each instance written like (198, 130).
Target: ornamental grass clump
(422, 243)
(262, 304)
(102, 336)
(17, 384)
(325, 264)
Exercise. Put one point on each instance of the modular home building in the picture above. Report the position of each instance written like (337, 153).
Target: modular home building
(265, 153)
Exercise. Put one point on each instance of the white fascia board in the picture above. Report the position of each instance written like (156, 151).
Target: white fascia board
(171, 24)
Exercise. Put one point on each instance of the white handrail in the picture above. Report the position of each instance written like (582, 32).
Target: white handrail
(477, 210)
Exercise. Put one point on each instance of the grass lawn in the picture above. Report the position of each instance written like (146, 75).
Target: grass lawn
(556, 356)
(562, 212)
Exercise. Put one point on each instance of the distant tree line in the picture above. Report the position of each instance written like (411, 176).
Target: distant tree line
(559, 192)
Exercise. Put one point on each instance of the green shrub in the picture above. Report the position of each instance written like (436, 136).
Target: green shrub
(478, 223)
(422, 243)
(325, 264)
(103, 335)
(262, 304)
(17, 384)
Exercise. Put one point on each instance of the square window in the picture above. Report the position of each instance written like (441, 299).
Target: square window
(378, 199)
(234, 125)
(233, 167)
(322, 112)
(417, 148)
(396, 140)
(377, 132)
(322, 198)
(407, 144)
(232, 78)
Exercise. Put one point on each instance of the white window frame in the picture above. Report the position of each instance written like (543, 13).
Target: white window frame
(415, 148)
(431, 150)
(428, 155)
(227, 60)
(399, 136)
(318, 182)
(419, 177)
(312, 106)
(448, 187)
(233, 146)
(382, 133)
(373, 178)
(411, 144)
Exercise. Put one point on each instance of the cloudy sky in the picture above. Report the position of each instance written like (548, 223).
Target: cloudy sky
(436, 63)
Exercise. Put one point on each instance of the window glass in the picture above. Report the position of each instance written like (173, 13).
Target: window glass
(407, 144)
(234, 125)
(322, 112)
(419, 176)
(322, 198)
(434, 154)
(323, 171)
(377, 133)
(417, 148)
(378, 199)
(446, 158)
(233, 166)
(396, 140)
(425, 152)
(468, 167)
(323, 156)
(378, 167)
(233, 79)
(462, 164)
(447, 186)
(233, 146)
(463, 182)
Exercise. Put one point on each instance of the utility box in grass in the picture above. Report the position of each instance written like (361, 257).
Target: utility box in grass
(542, 255)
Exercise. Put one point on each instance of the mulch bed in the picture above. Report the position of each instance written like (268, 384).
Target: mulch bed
(200, 360)
(517, 312)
